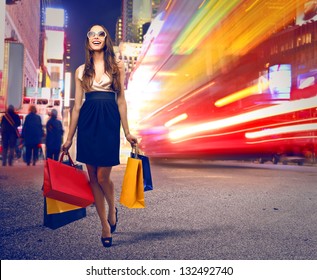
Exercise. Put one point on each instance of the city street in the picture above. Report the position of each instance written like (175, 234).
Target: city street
(217, 210)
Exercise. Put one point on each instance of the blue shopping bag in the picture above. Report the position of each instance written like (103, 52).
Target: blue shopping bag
(147, 175)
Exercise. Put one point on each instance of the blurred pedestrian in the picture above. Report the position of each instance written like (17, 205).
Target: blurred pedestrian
(101, 78)
(32, 133)
(9, 134)
(54, 134)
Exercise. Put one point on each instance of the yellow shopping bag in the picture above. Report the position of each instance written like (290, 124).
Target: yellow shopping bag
(58, 214)
(132, 193)
(54, 206)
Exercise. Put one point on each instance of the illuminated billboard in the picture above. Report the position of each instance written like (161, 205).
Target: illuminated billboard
(56, 72)
(54, 17)
(280, 81)
(68, 77)
(55, 44)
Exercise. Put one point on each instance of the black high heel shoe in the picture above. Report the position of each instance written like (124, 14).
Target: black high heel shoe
(106, 241)
(113, 227)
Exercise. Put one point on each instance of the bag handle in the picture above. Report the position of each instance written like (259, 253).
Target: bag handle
(136, 151)
(66, 154)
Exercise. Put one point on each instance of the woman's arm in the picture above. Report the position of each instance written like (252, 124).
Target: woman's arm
(75, 112)
(122, 105)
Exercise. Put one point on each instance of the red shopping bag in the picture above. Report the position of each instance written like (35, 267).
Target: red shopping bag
(66, 183)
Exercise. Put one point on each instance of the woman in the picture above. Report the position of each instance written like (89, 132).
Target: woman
(101, 78)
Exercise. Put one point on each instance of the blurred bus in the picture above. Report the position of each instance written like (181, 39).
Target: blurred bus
(237, 85)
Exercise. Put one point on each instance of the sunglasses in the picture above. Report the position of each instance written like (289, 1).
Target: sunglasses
(92, 34)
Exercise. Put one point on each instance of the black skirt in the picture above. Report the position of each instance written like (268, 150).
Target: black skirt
(98, 131)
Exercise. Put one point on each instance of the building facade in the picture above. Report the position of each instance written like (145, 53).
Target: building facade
(131, 29)
(135, 14)
(19, 49)
(22, 24)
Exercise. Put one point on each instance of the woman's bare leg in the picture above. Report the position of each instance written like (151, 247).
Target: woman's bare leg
(99, 196)
(103, 176)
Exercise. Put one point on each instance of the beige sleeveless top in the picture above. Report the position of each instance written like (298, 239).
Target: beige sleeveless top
(105, 82)
(103, 85)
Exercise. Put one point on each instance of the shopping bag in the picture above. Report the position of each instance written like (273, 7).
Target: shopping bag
(147, 176)
(58, 213)
(63, 217)
(54, 206)
(66, 183)
(132, 192)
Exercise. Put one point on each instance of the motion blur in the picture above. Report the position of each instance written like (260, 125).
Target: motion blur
(228, 79)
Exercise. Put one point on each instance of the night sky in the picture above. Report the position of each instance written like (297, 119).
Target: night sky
(83, 14)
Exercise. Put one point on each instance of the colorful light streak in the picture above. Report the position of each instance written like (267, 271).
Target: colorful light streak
(168, 5)
(176, 120)
(275, 110)
(244, 130)
(237, 32)
(282, 130)
(207, 17)
(280, 139)
(237, 96)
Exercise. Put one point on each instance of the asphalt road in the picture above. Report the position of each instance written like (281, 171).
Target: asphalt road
(198, 210)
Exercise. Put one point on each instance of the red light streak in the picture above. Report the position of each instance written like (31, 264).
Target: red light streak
(275, 110)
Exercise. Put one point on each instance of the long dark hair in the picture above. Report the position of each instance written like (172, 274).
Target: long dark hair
(111, 66)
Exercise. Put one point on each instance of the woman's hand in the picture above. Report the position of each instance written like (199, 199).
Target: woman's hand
(131, 139)
(67, 145)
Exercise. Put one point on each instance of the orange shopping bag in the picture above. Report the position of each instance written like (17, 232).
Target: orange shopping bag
(132, 193)
(55, 206)
(58, 214)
